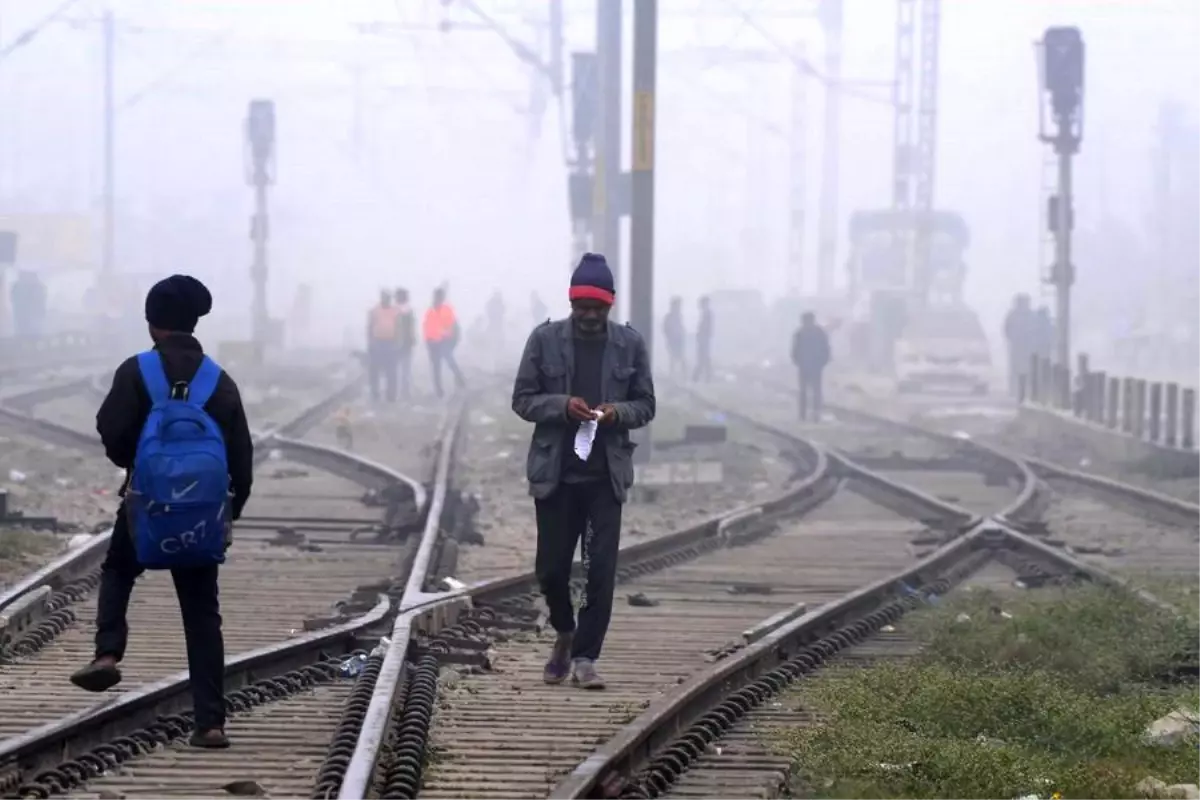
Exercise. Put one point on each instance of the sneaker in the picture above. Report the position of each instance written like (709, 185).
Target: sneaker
(585, 675)
(211, 739)
(559, 664)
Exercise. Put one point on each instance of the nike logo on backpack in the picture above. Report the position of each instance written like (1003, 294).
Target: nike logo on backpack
(178, 494)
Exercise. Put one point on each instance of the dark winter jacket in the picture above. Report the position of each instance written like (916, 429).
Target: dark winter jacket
(810, 349)
(123, 413)
(543, 387)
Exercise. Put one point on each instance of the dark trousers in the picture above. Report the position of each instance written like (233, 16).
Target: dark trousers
(587, 511)
(810, 389)
(703, 362)
(443, 353)
(381, 368)
(196, 589)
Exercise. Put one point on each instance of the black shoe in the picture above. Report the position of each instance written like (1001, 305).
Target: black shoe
(558, 666)
(97, 677)
(211, 739)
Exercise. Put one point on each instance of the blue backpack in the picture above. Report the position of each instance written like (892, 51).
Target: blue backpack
(178, 499)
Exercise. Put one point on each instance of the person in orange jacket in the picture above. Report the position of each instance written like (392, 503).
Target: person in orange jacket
(381, 347)
(441, 337)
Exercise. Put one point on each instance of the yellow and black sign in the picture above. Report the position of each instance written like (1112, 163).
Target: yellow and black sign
(643, 131)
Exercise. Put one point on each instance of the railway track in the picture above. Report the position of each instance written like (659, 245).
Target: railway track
(465, 714)
(309, 580)
(709, 738)
(686, 600)
(759, 583)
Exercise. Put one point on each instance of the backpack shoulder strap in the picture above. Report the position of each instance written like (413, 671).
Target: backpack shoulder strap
(153, 375)
(204, 382)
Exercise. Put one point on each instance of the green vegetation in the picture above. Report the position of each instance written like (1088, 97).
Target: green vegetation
(1047, 693)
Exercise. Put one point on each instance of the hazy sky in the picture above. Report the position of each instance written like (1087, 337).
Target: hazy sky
(408, 156)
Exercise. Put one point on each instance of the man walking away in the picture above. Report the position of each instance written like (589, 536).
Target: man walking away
(579, 375)
(381, 348)
(810, 355)
(144, 388)
(704, 334)
(1020, 332)
(674, 335)
(441, 337)
(406, 341)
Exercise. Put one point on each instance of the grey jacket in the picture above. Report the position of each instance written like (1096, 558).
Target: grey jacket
(543, 387)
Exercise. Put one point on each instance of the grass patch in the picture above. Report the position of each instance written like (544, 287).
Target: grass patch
(1048, 692)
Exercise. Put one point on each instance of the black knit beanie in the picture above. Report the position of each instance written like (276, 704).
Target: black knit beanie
(177, 303)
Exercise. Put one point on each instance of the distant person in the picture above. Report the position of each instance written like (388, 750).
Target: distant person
(580, 497)
(441, 337)
(674, 336)
(382, 348)
(130, 425)
(1021, 334)
(406, 341)
(810, 355)
(704, 334)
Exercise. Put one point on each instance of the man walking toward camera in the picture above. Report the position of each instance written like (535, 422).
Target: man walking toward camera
(585, 383)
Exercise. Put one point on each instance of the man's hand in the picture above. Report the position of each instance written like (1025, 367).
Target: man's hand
(578, 410)
(608, 413)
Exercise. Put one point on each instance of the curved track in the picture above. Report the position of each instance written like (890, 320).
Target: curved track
(716, 605)
(686, 601)
(706, 738)
(302, 552)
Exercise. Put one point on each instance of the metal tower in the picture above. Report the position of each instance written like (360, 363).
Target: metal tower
(914, 143)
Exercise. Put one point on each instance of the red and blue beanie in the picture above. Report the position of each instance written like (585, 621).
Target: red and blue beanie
(592, 280)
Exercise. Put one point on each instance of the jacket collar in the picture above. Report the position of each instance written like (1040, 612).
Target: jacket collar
(175, 342)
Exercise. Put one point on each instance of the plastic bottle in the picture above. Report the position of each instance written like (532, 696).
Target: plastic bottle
(353, 665)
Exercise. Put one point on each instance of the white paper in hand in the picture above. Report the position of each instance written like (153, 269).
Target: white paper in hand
(585, 436)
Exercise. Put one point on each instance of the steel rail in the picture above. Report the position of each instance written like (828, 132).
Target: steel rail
(75, 564)
(617, 759)
(428, 613)
(434, 613)
(134, 713)
(157, 707)
(609, 770)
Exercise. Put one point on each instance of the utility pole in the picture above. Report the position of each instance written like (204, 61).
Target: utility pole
(798, 175)
(583, 133)
(641, 211)
(260, 173)
(606, 230)
(1061, 78)
(109, 255)
(830, 12)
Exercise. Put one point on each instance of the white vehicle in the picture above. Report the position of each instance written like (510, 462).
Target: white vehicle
(944, 349)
